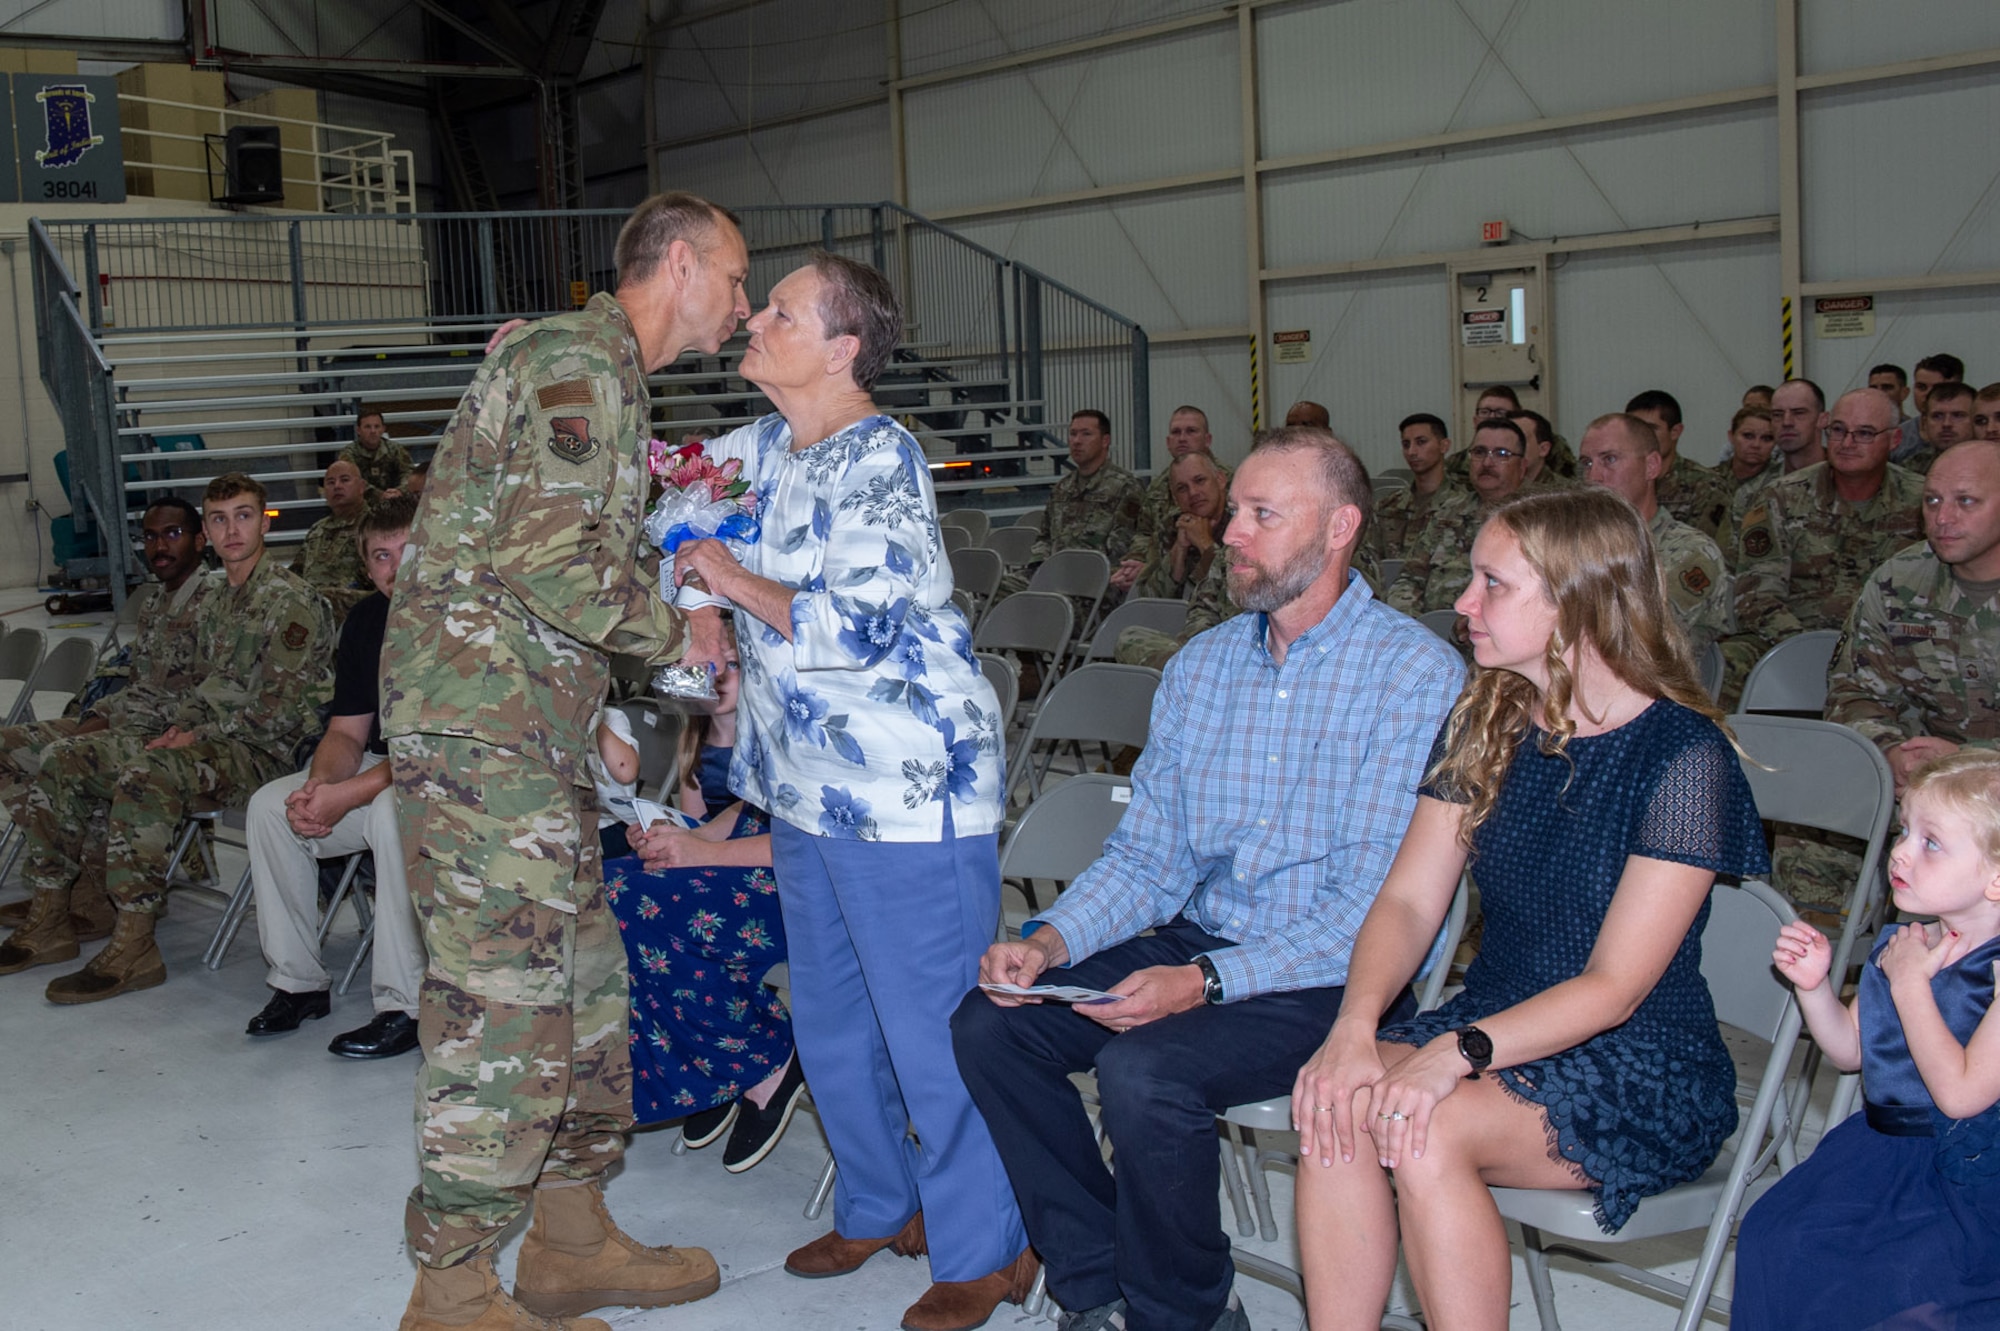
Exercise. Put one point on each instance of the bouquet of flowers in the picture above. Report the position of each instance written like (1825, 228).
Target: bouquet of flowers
(701, 501)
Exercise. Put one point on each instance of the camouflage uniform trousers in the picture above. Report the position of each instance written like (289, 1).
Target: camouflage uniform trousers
(523, 1014)
(143, 794)
(1147, 647)
(22, 750)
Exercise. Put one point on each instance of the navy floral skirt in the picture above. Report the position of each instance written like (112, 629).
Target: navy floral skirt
(698, 942)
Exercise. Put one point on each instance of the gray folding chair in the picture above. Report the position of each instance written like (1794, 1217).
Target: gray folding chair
(972, 521)
(56, 681)
(1751, 999)
(1712, 666)
(1063, 832)
(1031, 518)
(1444, 623)
(658, 731)
(127, 618)
(1161, 614)
(1388, 485)
(21, 654)
(1101, 703)
(1001, 673)
(1791, 677)
(1012, 544)
(976, 571)
(1084, 575)
(955, 538)
(1387, 571)
(1037, 622)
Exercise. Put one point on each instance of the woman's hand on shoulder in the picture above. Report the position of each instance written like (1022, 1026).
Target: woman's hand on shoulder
(1333, 1087)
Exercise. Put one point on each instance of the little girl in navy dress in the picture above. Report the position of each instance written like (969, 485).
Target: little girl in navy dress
(1894, 1221)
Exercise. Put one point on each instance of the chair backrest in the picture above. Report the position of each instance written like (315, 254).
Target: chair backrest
(976, 571)
(1082, 573)
(1712, 668)
(973, 521)
(1444, 623)
(955, 539)
(1736, 944)
(1063, 833)
(1005, 678)
(658, 732)
(20, 653)
(1387, 571)
(1032, 518)
(62, 672)
(1430, 988)
(1026, 622)
(1100, 701)
(1389, 485)
(1791, 677)
(1013, 544)
(1159, 613)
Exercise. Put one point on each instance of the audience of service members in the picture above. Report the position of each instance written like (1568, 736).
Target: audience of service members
(1320, 769)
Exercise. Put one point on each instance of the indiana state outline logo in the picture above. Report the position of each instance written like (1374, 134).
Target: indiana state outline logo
(66, 114)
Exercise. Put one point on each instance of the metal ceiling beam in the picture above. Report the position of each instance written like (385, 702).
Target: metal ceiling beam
(445, 16)
(160, 50)
(329, 64)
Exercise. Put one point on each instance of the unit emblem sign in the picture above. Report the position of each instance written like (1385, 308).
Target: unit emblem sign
(68, 147)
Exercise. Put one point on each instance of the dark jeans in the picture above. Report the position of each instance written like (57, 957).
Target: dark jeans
(1154, 1235)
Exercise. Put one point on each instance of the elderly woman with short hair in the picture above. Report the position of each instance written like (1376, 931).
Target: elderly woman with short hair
(870, 734)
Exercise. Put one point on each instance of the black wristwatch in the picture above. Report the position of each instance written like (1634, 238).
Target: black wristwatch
(1476, 1048)
(1211, 983)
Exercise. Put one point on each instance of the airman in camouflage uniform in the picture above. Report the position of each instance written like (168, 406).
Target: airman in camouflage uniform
(329, 558)
(1201, 503)
(1095, 506)
(1698, 584)
(1919, 662)
(1187, 432)
(521, 577)
(384, 463)
(1438, 564)
(1209, 606)
(1401, 517)
(264, 646)
(1696, 496)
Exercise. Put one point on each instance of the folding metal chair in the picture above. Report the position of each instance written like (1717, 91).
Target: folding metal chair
(1444, 623)
(58, 678)
(1035, 622)
(1012, 544)
(1388, 570)
(955, 539)
(1082, 574)
(1161, 614)
(1101, 703)
(1063, 832)
(1005, 679)
(976, 571)
(973, 521)
(21, 654)
(1712, 667)
(1791, 677)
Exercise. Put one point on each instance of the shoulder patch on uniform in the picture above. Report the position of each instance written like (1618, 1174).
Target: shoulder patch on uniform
(571, 439)
(1695, 578)
(1757, 543)
(568, 393)
(296, 635)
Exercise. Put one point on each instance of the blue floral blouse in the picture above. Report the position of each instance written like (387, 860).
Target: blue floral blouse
(875, 714)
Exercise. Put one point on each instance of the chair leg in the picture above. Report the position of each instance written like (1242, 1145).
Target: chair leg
(1232, 1183)
(340, 892)
(822, 1189)
(1260, 1190)
(12, 840)
(1537, 1262)
(232, 920)
(189, 829)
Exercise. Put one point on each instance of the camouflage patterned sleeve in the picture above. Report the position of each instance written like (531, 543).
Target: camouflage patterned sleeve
(1041, 549)
(1763, 578)
(1864, 687)
(1406, 593)
(1130, 506)
(566, 515)
(1210, 604)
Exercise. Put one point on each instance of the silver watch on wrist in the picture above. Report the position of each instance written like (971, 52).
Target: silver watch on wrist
(1211, 983)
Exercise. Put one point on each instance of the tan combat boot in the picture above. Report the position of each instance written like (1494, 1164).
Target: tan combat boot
(575, 1259)
(469, 1296)
(91, 911)
(130, 961)
(46, 934)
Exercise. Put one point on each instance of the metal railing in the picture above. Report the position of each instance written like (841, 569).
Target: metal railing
(79, 382)
(354, 170)
(254, 340)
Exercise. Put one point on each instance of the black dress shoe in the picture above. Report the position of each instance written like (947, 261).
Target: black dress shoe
(391, 1033)
(757, 1130)
(286, 1011)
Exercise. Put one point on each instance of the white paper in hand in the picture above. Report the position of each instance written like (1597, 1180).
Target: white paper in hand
(650, 813)
(1054, 993)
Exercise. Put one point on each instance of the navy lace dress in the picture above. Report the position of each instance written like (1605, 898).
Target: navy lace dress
(1894, 1220)
(1646, 1105)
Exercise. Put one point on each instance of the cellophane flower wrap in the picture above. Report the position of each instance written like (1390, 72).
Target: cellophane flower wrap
(701, 501)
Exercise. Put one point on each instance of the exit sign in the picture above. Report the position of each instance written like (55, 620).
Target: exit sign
(1492, 233)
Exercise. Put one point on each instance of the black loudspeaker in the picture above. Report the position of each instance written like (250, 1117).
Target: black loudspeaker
(255, 165)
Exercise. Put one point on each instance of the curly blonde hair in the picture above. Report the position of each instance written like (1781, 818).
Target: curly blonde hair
(1595, 560)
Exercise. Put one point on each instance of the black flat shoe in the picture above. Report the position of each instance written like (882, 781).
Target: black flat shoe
(757, 1130)
(286, 1012)
(698, 1130)
(391, 1033)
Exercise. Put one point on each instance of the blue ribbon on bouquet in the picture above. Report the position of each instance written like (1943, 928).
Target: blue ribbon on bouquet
(736, 527)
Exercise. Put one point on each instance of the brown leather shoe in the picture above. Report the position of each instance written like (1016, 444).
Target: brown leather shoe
(960, 1305)
(832, 1255)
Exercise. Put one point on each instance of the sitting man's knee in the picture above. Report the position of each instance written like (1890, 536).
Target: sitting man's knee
(1141, 1077)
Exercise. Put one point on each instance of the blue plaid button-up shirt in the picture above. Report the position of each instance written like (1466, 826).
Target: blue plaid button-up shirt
(1270, 798)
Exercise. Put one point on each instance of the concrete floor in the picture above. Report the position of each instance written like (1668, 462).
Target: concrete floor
(159, 1168)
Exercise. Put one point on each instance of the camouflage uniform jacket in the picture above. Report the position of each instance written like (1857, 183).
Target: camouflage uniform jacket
(1158, 510)
(521, 571)
(1920, 656)
(1698, 585)
(1747, 493)
(1095, 512)
(1210, 605)
(1440, 565)
(1806, 551)
(266, 653)
(1400, 518)
(1157, 578)
(164, 657)
(1695, 495)
(1549, 482)
(384, 469)
(329, 559)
